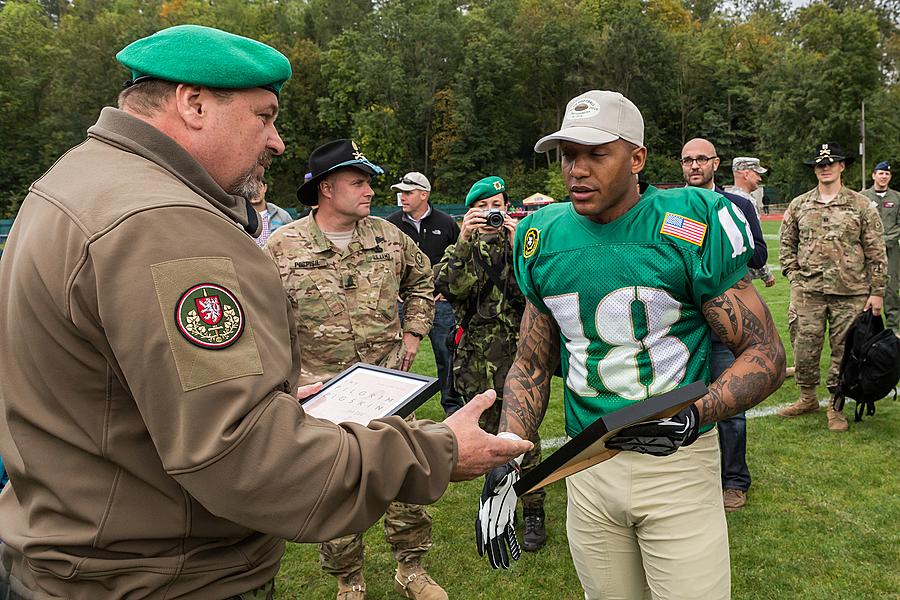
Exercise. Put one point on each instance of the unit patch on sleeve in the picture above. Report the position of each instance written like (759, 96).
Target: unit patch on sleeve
(530, 244)
(683, 228)
(209, 316)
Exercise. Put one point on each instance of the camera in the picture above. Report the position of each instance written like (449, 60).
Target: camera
(494, 218)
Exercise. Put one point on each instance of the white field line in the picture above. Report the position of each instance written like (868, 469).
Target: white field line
(753, 413)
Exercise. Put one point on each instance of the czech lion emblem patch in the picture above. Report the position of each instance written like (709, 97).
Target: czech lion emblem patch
(209, 316)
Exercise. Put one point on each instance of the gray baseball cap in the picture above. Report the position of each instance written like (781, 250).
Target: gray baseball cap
(597, 117)
(412, 181)
(747, 163)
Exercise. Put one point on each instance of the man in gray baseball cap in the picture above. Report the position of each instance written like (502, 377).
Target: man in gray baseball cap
(622, 288)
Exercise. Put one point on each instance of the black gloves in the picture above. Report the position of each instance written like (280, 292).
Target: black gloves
(660, 437)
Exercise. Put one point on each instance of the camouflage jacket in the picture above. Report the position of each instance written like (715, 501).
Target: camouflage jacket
(345, 304)
(888, 208)
(488, 347)
(834, 248)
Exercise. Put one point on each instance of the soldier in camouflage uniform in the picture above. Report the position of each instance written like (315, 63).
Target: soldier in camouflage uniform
(494, 310)
(344, 271)
(887, 202)
(832, 252)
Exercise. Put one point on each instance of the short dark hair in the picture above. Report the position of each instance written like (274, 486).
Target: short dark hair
(148, 97)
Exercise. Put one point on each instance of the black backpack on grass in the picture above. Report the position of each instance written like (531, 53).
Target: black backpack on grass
(870, 368)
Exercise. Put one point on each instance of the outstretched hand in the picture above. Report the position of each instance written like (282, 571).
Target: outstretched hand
(479, 452)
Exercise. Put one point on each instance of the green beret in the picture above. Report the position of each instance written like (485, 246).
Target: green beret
(206, 56)
(485, 188)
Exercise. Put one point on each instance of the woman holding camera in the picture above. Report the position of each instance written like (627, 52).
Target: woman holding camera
(476, 276)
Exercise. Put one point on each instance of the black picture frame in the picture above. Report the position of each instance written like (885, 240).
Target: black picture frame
(588, 448)
(345, 394)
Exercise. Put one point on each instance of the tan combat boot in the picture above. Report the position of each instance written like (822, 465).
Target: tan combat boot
(351, 588)
(836, 419)
(411, 581)
(806, 404)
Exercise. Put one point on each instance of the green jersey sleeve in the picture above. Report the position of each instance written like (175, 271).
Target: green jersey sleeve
(525, 252)
(725, 252)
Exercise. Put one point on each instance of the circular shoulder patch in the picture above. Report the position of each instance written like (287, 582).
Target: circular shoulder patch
(532, 236)
(209, 316)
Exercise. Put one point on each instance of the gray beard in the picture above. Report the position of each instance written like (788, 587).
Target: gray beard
(248, 187)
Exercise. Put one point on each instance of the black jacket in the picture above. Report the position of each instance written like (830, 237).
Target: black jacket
(438, 230)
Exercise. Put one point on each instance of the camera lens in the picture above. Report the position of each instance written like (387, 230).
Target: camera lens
(494, 218)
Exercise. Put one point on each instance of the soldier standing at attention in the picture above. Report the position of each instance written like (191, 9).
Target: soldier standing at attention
(887, 201)
(148, 417)
(344, 271)
(477, 275)
(832, 252)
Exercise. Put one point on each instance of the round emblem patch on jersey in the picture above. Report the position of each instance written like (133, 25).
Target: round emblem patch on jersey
(209, 316)
(532, 236)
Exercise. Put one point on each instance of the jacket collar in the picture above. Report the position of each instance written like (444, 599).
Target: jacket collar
(131, 134)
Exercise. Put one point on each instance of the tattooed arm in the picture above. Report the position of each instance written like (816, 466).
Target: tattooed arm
(527, 389)
(743, 322)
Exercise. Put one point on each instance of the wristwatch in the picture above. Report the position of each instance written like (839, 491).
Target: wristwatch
(415, 333)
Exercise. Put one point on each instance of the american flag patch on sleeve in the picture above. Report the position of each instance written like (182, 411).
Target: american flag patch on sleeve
(683, 228)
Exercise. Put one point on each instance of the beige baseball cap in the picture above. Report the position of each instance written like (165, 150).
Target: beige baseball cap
(412, 181)
(597, 117)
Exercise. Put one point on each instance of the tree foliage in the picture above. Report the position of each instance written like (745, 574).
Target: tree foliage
(460, 90)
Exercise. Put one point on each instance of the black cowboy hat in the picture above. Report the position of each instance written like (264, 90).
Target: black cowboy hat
(329, 157)
(827, 153)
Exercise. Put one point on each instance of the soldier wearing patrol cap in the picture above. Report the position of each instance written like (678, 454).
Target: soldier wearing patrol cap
(148, 417)
(887, 202)
(476, 274)
(832, 252)
(344, 271)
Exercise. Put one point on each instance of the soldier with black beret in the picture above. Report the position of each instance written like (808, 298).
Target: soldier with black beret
(887, 203)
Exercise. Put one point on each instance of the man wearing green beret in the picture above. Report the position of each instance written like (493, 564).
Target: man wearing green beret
(148, 417)
(476, 274)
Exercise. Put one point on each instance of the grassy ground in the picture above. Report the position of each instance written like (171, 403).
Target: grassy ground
(821, 522)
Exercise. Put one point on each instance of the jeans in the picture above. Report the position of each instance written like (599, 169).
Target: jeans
(732, 431)
(444, 322)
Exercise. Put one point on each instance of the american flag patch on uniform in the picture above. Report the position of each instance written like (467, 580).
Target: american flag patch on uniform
(683, 228)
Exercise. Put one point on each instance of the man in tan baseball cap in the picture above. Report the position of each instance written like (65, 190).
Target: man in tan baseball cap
(623, 286)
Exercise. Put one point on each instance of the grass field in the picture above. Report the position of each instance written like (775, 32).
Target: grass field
(821, 522)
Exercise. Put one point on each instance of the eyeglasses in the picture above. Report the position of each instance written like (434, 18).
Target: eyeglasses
(700, 160)
(408, 181)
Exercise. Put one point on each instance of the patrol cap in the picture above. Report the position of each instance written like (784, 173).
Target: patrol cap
(485, 188)
(747, 163)
(205, 56)
(330, 157)
(597, 117)
(827, 153)
(412, 181)
(882, 166)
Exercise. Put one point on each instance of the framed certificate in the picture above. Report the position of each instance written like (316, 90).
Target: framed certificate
(588, 448)
(365, 392)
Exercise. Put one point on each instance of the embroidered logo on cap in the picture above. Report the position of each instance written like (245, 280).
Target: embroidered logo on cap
(209, 316)
(532, 237)
(583, 109)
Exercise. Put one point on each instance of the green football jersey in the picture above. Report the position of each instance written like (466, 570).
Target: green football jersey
(627, 295)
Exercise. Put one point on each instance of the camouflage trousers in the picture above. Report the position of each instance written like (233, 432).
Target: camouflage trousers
(407, 528)
(892, 290)
(490, 422)
(808, 315)
(263, 592)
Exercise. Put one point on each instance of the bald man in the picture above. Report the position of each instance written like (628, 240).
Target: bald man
(699, 164)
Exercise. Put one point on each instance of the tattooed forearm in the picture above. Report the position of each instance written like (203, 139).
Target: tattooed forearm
(743, 322)
(527, 388)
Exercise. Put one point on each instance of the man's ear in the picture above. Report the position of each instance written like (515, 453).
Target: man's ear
(638, 159)
(191, 104)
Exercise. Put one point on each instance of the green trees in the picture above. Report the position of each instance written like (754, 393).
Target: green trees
(459, 89)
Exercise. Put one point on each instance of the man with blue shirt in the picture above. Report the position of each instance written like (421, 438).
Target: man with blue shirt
(649, 521)
(699, 164)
